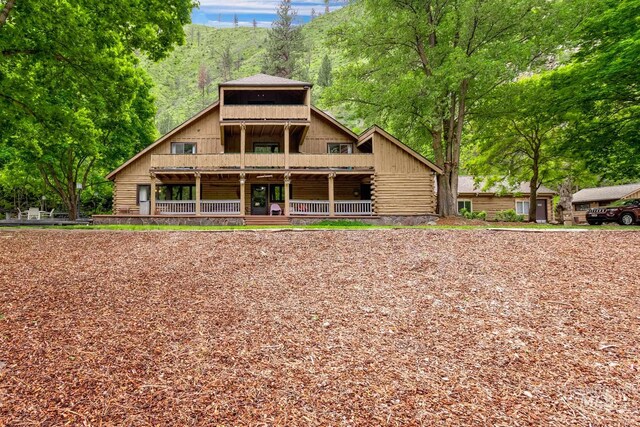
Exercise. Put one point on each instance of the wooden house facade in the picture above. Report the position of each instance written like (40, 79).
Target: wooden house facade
(496, 198)
(264, 151)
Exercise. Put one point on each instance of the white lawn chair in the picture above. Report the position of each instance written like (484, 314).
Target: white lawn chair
(45, 214)
(33, 213)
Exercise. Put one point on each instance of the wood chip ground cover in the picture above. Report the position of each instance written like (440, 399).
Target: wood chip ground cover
(370, 327)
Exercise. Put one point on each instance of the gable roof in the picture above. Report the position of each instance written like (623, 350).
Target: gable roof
(163, 138)
(614, 192)
(466, 185)
(264, 80)
(375, 128)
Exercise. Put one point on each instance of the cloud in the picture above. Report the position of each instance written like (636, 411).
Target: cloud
(303, 7)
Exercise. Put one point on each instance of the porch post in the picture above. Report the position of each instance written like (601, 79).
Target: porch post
(332, 207)
(198, 185)
(287, 126)
(242, 194)
(243, 143)
(287, 183)
(152, 196)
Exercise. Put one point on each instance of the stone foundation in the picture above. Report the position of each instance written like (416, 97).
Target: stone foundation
(173, 220)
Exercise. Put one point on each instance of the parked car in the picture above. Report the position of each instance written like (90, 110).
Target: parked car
(624, 212)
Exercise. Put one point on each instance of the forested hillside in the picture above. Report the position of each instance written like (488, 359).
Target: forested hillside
(186, 81)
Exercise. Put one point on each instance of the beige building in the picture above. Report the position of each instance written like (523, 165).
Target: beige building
(588, 198)
(264, 154)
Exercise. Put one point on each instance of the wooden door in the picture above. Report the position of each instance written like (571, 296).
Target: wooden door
(541, 210)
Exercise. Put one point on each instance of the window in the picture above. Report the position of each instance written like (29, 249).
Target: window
(583, 206)
(176, 192)
(277, 193)
(142, 195)
(183, 148)
(339, 148)
(464, 204)
(266, 147)
(522, 207)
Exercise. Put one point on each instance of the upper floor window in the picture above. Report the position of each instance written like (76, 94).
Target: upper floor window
(339, 148)
(183, 148)
(266, 147)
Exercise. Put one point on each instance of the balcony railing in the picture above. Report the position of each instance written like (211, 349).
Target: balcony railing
(321, 207)
(264, 112)
(259, 160)
(207, 207)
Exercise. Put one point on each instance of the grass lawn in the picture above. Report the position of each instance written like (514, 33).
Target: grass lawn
(359, 327)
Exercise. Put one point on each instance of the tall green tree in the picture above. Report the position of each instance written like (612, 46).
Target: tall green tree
(285, 44)
(420, 66)
(72, 97)
(600, 88)
(516, 132)
(325, 77)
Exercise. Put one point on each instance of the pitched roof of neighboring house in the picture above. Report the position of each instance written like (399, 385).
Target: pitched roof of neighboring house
(466, 185)
(264, 80)
(615, 192)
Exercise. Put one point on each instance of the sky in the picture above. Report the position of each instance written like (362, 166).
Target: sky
(219, 13)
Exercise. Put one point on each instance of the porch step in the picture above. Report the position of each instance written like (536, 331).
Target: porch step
(266, 220)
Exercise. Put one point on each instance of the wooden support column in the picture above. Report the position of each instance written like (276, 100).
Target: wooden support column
(243, 178)
(198, 186)
(287, 127)
(243, 144)
(287, 183)
(152, 196)
(332, 207)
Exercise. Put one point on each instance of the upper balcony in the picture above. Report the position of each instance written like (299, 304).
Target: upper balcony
(263, 97)
(261, 161)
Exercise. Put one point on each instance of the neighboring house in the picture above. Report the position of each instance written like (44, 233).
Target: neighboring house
(264, 149)
(588, 198)
(476, 198)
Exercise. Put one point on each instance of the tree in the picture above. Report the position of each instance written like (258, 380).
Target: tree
(599, 87)
(313, 13)
(324, 74)
(255, 23)
(204, 79)
(516, 131)
(285, 44)
(72, 97)
(327, 3)
(235, 21)
(419, 66)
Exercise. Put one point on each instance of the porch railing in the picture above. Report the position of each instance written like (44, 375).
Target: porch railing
(220, 207)
(176, 207)
(353, 207)
(309, 207)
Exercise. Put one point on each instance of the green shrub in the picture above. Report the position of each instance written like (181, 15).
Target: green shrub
(509, 215)
(473, 215)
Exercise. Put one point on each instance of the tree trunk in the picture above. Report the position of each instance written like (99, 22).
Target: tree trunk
(533, 193)
(5, 12)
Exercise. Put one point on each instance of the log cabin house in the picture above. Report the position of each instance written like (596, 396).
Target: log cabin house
(264, 154)
(500, 197)
(588, 198)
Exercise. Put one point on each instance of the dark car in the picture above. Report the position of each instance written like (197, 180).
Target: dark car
(624, 212)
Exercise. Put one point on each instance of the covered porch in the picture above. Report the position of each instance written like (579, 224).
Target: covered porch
(259, 193)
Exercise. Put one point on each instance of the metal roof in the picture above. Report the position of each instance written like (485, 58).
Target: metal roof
(265, 80)
(614, 192)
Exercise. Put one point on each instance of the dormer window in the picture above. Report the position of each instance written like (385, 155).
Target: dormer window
(183, 148)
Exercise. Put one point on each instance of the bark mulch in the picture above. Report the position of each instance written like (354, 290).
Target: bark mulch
(385, 327)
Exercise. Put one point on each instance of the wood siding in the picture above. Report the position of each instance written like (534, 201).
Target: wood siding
(492, 204)
(264, 112)
(403, 194)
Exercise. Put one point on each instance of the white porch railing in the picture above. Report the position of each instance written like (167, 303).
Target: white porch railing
(309, 207)
(173, 207)
(353, 207)
(220, 207)
(321, 207)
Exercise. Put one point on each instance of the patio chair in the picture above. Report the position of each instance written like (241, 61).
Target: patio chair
(45, 214)
(275, 208)
(33, 213)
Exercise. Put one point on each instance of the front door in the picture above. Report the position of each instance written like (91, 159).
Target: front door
(541, 210)
(259, 199)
